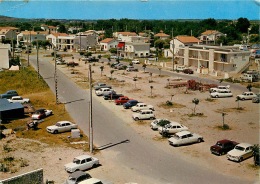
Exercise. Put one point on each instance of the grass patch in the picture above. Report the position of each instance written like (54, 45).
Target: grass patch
(159, 138)
(28, 85)
(224, 127)
(196, 115)
(210, 100)
(141, 122)
(167, 105)
(253, 166)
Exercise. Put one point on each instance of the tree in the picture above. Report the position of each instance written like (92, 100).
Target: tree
(113, 50)
(111, 72)
(196, 102)
(101, 69)
(159, 43)
(151, 90)
(242, 25)
(144, 67)
(62, 29)
(249, 87)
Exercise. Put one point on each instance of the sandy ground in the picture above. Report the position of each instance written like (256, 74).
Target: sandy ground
(244, 126)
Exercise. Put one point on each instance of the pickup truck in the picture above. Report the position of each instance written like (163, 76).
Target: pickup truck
(121, 100)
(142, 106)
(19, 99)
(112, 96)
(101, 85)
(9, 94)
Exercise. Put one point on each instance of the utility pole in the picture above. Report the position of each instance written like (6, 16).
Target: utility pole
(172, 51)
(55, 77)
(37, 48)
(90, 112)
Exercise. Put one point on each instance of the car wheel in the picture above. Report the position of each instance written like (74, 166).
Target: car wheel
(241, 159)
(55, 131)
(243, 99)
(222, 153)
(199, 140)
(136, 118)
(216, 96)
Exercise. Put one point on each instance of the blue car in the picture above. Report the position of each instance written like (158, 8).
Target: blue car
(130, 104)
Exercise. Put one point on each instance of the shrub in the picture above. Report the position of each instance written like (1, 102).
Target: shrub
(169, 103)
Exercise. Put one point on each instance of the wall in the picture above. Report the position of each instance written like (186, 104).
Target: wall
(4, 55)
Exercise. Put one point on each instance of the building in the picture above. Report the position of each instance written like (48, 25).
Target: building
(213, 59)
(162, 35)
(27, 37)
(8, 33)
(124, 36)
(10, 110)
(5, 52)
(210, 36)
(49, 29)
(86, 40)
(108, 43)
(53, 38)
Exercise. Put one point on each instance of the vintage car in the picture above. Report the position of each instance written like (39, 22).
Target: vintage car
(142, 106)
(222, 147)
(41, 113)
(61, 126)
(143, 114)
(19, 99)
(171, 128)
(184, 137)
(246, 96)
(241, 152)
(157, 123)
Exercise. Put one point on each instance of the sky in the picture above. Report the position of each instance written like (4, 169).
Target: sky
(134, 9)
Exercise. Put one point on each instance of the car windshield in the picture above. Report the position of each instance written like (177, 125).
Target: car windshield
(219, 144)
(58, 124)
(239, 148)
(76, 161)
(72, 179)
(176, 136)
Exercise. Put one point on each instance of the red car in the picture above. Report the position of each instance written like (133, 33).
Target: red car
(121, 100)
(188, 71)
(222, 147)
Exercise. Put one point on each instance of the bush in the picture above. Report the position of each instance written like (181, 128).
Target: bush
(169, 103)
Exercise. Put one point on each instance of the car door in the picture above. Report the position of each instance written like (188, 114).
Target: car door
(83, 165)
(190, 138)
(66, 127)
(248, 152)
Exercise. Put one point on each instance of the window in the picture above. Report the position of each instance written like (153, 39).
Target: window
(89, 159)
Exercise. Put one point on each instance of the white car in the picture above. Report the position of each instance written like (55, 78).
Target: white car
(61, 126)
(184, 137)
(181, 68)
(18, 99)
(155, 124)
(219, 88)
(141, 106)
(172, 128)
(143, 114)
(131, 68)
(221, 94)
(41, 113)
(246, 96)
(241, 152)
(82, 162)
(136, 61)
(94, 181)
(101, 91)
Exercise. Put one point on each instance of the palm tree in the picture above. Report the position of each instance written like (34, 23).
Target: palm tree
(111, 72)
(144, 67)
(196, 102)
(151, 90)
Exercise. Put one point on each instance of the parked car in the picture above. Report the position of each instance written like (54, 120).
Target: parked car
(28, 109)
(241, 152)
(136, 61)
(184, 137)
(131, 69)
(180, 68)
(101, 85)
(19, 99)
(61, 126)
(101, 91)
(121, 100)
(119, 65)
(41, 113)
(9, 94)
(171, 128)
(60, 63)
(222, 147)
(130, 104)
(221, 94)
(112, 96)
(94, 181)
(219, 88)
(77, 177)
(247, 96)
(188, 71)
(142, 106)
(82, 162)
(256, 99)
(257, 156)
(143, 114)
(155, 124)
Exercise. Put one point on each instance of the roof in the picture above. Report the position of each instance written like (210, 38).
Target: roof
(209, 32)
(174, 123)
(77, 174)
(59, 34)
(90, 181)
(187, 39)
(5, 105)
(244, 144)
(161, 35)
(9, 28)
(127, 33)
(183, 133)
(107, 40)
(34, 32)
(82, 157)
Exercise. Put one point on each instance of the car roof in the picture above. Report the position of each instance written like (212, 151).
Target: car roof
(224, 141)
(77, 174)
(174, 123)
(63, 122)
(244, 144)
(183, 133)
(16, 97)
(90, 181)
(83, 157)
(148, 110)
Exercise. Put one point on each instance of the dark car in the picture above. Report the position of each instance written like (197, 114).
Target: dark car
(9, 94)
(77, 177)
(256, 99)
(188, 71)
(130, 104)
(112, 96)
(222, 147)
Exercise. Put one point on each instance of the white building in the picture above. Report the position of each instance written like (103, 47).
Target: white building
(212, 59)
(5, 51)
(108, 43)
(210, 36)
(27, 37)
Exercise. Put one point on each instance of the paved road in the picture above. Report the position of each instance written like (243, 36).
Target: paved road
(138, 154)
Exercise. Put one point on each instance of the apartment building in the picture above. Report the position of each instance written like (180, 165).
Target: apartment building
(210, 59)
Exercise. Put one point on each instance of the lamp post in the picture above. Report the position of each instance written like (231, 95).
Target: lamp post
(90, 112)
(37, 49)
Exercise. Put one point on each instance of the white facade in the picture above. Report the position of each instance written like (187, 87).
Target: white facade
(5, 50)
(132, 50)
(214, 58)
(106, 45)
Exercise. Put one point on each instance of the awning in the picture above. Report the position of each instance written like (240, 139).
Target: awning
(121, 45)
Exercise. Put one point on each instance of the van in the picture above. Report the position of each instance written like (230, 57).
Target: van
(180, 68)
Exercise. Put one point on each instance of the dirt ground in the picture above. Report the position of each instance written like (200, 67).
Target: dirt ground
(243, 123)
